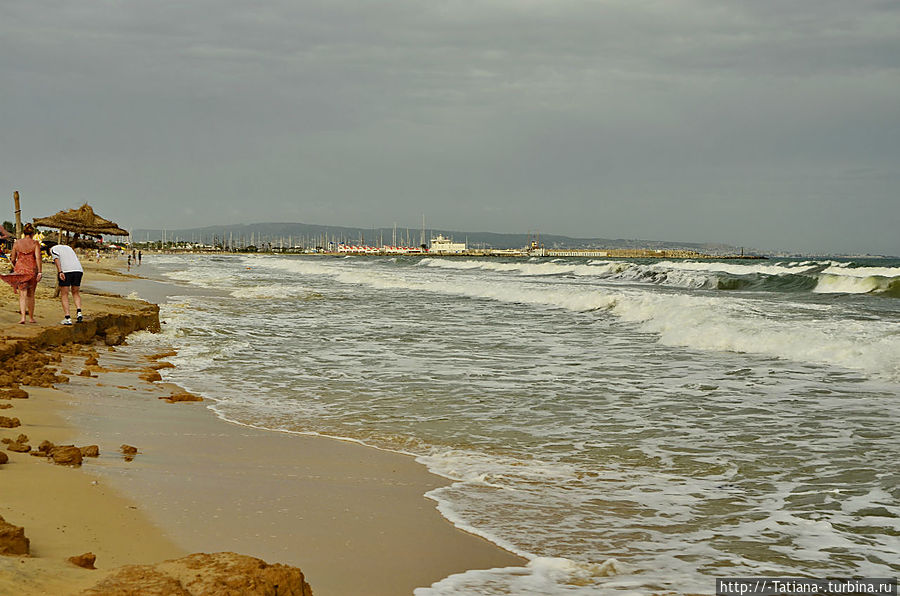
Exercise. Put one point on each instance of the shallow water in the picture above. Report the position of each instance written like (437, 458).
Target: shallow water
(627, 425)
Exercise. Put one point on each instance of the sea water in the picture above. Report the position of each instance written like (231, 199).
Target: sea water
(629, 426)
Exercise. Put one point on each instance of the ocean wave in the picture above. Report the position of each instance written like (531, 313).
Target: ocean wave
(275, 291)
(699, 322)
(803, 276)
(829, 283)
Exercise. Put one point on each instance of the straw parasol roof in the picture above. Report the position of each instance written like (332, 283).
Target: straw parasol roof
(81, 221)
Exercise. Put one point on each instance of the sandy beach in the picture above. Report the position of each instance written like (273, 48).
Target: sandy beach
(353, 518)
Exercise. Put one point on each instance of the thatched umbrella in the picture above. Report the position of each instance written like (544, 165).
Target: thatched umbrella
(81, 221)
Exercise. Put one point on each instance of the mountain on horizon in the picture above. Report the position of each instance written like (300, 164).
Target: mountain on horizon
(310, 234)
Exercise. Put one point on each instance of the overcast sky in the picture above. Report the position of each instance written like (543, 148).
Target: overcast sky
(765, 123)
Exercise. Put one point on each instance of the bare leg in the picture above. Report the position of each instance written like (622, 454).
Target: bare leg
(23, 303)
(30, 294)
(64, 297)
(76, 296)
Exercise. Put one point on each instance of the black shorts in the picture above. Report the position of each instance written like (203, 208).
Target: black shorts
(73, 278)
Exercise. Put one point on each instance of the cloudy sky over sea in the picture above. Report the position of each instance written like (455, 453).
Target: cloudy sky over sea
(761, 123)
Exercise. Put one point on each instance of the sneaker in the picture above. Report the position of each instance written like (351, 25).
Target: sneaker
(79, 318)
(66, 321)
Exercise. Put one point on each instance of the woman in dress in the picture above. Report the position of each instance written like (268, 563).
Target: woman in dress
(26, 259)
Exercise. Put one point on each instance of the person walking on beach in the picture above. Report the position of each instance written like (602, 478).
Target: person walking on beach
(139, 258)
(26, 259)
(70, 272)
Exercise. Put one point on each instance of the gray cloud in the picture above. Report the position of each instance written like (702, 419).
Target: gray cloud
(764, 123)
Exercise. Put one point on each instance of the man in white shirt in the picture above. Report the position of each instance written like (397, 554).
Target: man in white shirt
(69, 272)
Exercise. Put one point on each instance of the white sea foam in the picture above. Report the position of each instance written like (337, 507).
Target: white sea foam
(707, 323)
(844, 269)
(830, 283)
(541, 576)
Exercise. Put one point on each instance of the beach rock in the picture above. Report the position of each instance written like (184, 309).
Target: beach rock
(9, 422)
(86, 560)
(161, 365)
(5, 406)
(38, 454)
(92, 361)
(46, 447)
(3, 458)
(128, 452)
(90, 451)
(66, 371)
(151, 376)
(217, 573)
(18, 447)
(184, 396)
(13, 394)
(162, 355)
(85, 373)
(114, 336)
(12, 539)
(66, 455)
(22, 438)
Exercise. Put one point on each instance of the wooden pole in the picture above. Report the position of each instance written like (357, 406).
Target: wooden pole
(18, 214)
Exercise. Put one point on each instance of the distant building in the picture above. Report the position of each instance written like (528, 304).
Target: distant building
(446, 246)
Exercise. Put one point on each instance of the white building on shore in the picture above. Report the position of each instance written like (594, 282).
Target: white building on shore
(446, 246)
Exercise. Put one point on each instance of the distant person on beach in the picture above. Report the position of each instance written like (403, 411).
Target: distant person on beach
(70, 272)
(129, 262)
(139, 258)
(26, 260)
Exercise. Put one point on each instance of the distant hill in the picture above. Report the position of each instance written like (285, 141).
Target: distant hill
(303, 234)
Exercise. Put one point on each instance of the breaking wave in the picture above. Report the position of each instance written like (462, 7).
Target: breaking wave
(802, 276)
(705, 322)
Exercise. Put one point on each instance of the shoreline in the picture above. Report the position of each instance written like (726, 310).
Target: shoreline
(323, 504)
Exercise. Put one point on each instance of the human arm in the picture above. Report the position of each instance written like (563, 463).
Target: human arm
(37, 259)
(59, 271)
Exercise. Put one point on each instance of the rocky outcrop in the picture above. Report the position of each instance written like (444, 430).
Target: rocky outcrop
(30, 367)
(161, 365)
(3, 458)
(128, 452)
(18, 447)
(66, 455)
(86, 560)
(90, 451)
(150, 376)
(13, 394)
(217, 573)
(9, 422)
(183, 396)
(24, 359)
(12, 539)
